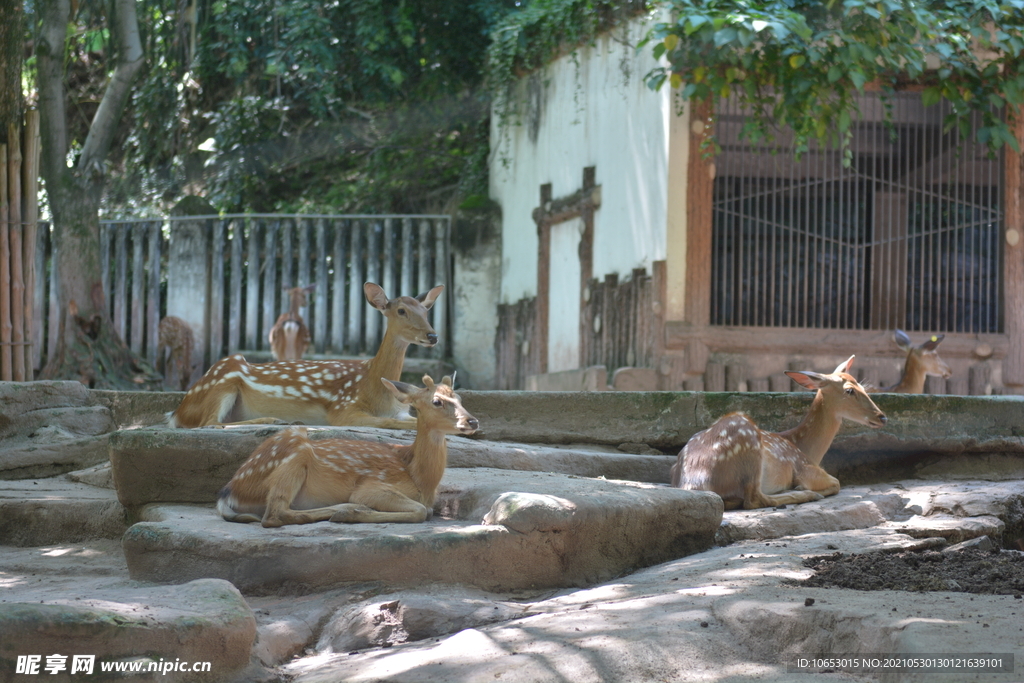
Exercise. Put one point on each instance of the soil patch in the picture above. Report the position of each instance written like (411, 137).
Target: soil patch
(995, 571)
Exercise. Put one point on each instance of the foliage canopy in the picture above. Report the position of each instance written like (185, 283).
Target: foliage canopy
(801, 63)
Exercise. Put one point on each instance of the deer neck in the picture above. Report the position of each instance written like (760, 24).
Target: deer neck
(912, 381)
(389, 359)
(428, 457)
(815, 433)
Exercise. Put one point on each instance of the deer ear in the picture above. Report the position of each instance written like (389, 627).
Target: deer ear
(375, 296)
(400, 390)
(449, 380)
(428, 299)
(844, 366)
(933, 342)
(808, 379)
(310, 288)
(428, 382)
(901, 339)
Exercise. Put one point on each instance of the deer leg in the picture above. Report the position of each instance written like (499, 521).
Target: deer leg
(378, 503)
(285, 483)
(815, 479)
(364, 419)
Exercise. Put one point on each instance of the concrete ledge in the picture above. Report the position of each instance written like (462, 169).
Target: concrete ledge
(541, 530)
(191, 465)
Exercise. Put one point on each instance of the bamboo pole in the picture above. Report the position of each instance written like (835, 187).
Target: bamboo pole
(5, 273)
(33, 292)
(17, 279)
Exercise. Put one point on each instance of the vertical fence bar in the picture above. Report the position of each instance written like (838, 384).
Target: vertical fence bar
(105, 230)
(40, 236)
(287, 263)
(373, 274)
(442, 273)
(138, 289)
(252, 291)
(155, 265)
(408, 285)
(389, 276)
(355, 292)
(302, 229)
(120, 281)
(218, 249)
(320, 300)
(269, 267)
(235, 296)
(339, 292)
(53, 330)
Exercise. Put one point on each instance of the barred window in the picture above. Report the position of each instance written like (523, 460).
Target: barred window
(907, 236)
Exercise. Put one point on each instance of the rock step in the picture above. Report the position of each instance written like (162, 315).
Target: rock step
(541, 530)
(202, 621)
(205, 459)
(35, 512)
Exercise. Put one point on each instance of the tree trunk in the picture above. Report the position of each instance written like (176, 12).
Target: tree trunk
(88, 347)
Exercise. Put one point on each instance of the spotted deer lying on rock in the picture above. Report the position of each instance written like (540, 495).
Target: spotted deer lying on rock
(290, 479)
(289, 337)
(922, 360)
(326, 392)
(752, 468)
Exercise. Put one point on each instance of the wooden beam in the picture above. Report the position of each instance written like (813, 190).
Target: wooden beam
(1013, 259)
(699, 196)
(815, 341)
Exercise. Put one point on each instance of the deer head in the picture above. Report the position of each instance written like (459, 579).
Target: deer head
(407, 316)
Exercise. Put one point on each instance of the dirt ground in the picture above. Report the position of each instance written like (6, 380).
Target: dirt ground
(995, 571)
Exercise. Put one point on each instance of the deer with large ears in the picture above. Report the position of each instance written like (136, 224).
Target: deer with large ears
(753, 468)
(290, 479)
(922, 360)
(289, 337)
(324, 392)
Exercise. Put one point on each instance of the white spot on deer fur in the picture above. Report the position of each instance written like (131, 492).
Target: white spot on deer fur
(358, 377)
(723, 434)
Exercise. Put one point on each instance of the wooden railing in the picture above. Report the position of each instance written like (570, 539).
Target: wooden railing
(246, 261)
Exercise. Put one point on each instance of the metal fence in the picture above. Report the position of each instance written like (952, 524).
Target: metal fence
(906, 236)
(251, 258)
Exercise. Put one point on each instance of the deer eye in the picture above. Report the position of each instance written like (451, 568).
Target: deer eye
(437, 402)
(849, 390)
(401, 312)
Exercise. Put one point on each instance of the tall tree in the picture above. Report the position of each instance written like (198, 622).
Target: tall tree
(88, 347)
(12, 26)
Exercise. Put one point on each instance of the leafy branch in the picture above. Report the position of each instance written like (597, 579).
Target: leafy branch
(801, 63)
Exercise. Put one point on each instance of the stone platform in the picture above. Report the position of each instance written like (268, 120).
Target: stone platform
(494, 529)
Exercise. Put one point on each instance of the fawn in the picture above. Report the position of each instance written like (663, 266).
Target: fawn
(175, 342)
(290, 479)
(326, 392)
(922, 360)
(289, 337)
(751, 468)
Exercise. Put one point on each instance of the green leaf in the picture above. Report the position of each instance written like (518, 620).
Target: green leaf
(671, 40)
(834, 73)
(796, 61)
(931, 96)
(725, 36)
(859, 78)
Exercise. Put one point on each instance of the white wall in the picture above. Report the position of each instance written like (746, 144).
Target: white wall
(600, 114)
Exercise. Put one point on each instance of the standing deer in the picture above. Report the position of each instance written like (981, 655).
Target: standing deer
(289, 337)
(751, 468)
(175, 342)
(291, 480)
(922, 360)
(325, 392)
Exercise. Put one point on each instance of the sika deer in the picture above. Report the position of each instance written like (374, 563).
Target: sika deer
(175, 342)
(290, 479)
(921, 361)
(326, 392)
(289, 337)
(751, 468)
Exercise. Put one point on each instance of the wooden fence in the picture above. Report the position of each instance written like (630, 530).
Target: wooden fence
(248, 260)
(619, 327)
(19, 211)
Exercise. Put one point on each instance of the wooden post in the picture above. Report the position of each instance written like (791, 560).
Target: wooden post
(17, 280)
(699, 197)
(235, 320)
(188, 278)
(5, 272)
(156, 238)
(138, 298)
(320, 303)
(269, 301)
(34, 291)
(1013, 286)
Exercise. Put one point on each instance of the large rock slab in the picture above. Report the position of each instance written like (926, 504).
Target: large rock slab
(35, 512)
(191, 465)
(202, 621)
(49, 428)
(504, 530)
